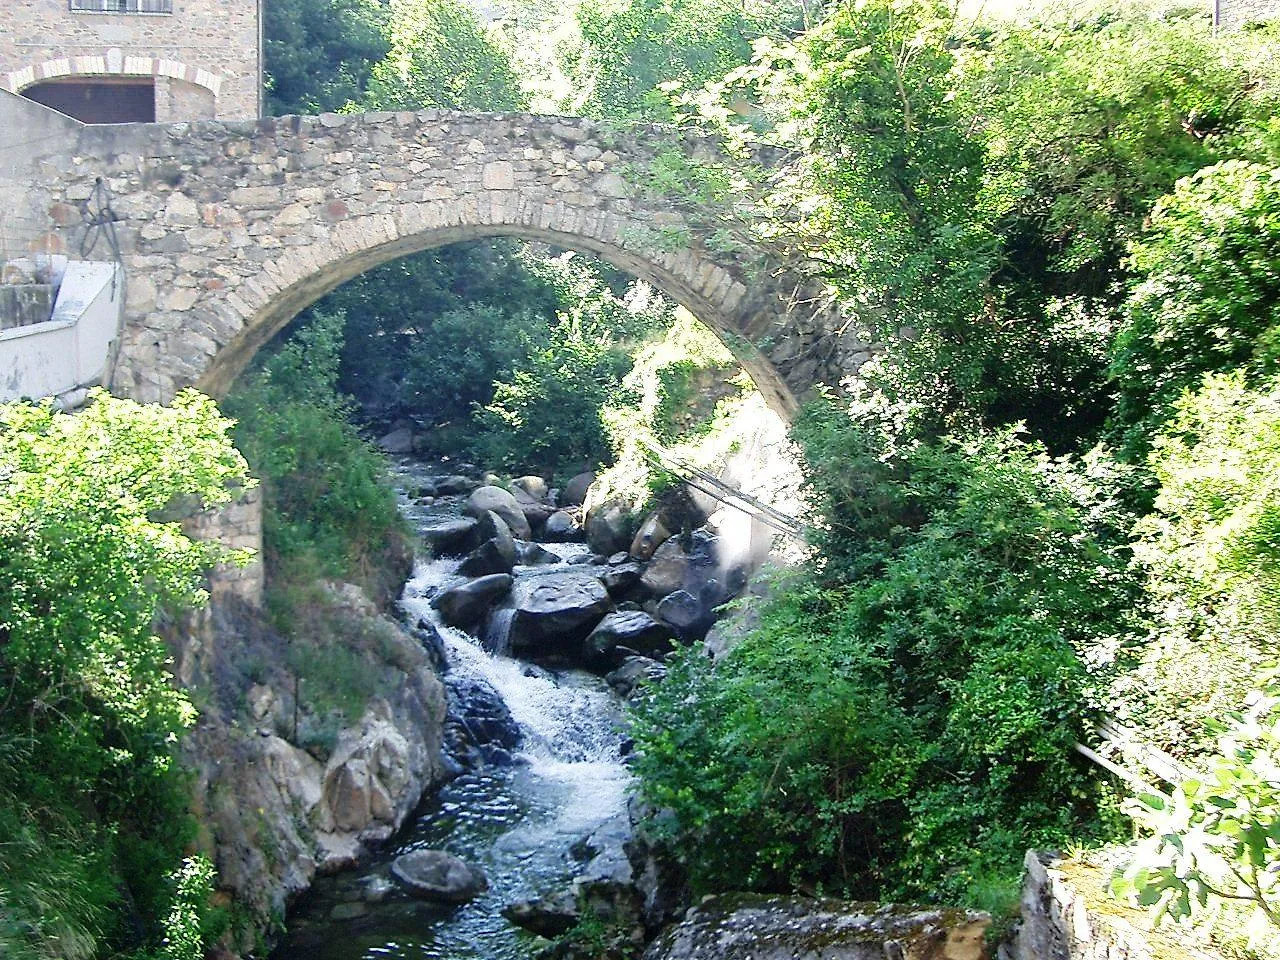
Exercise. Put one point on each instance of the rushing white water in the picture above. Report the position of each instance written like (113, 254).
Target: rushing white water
(517, 821)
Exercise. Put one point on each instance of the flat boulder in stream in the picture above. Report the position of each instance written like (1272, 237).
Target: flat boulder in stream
(466, 604)
(496, 555)
(504, 504)
(739, 926)
(555, 611)
(454, 535)
(436, 875)
(634, 629)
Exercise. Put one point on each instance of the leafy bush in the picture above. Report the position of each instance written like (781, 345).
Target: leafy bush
(1212, 560)
(92, 813)
(629, 50)
(328, 508)
(1209, 297)
(441, 56)
(1212, 844)
(903, 729)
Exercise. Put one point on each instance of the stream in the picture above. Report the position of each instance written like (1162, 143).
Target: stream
(516, 817)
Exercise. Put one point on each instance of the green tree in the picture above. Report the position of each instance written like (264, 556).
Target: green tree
(902, 727)
(328, 508)
(1210, 552)
(442, 56)
(1209, 295)
(91, 816)
(318, 54)
(630, 51)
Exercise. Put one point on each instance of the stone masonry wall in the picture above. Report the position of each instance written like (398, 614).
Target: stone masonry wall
(211, 44)
(1233, 14)
(229, 229)
(238, 526)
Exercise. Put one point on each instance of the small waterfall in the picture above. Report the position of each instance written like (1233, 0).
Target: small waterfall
(517, 821)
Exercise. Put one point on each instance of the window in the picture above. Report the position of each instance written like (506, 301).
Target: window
(122, 6)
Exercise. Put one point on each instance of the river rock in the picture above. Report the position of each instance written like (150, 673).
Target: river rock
(652, 534)
(689, 616)
(555, 611)
(496, 555)
(504, 504)
(465, 605)
(532, 554)
(667, 570)
(608, 528)
(634, 672)
(634, 629)
(436, 875)
(453, 536)
(535, 487)
(398, 441)
(481, 714)
(620, 579)
(534, 509)
(453, 485)
(575, 491)
(546, 916)
(561, 527)
(740, 926)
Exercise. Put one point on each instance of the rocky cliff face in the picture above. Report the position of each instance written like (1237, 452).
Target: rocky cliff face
(308, 753)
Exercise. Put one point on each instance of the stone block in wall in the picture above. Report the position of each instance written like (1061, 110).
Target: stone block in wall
(1067, 914)
(237, 525)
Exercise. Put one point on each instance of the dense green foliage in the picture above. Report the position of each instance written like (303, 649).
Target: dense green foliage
(92, 811)
(1210, 553)
(328, 510)
(1212, 848)
(631, 53)
(441, 56)
(318, 54)
(988, 203)
(904, 730)
(1209, 299)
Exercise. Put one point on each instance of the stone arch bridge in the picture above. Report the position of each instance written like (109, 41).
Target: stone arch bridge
(227, 229)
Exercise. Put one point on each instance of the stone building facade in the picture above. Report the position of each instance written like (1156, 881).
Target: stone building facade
(110, 61)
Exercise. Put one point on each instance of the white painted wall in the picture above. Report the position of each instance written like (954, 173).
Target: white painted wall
(73, 350)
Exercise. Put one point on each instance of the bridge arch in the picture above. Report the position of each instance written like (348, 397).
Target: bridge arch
(228, 229)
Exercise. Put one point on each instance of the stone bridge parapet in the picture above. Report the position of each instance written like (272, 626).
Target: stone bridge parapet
(228, 229)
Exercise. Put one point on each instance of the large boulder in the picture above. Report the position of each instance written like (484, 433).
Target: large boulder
(561, 527)
(666, 572)
(608, 527)
(634, 672)
(688, 615)
(451, 536)
(467, 604)
(555, 611)
(534, 487)
(740, 926)
(479, 718)
(575, 491)
(453, 485)
(498, 554)
(620, 579)
(504, 504)
(652, 534)
(398, 441)
(436, 875)
(633, 629)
